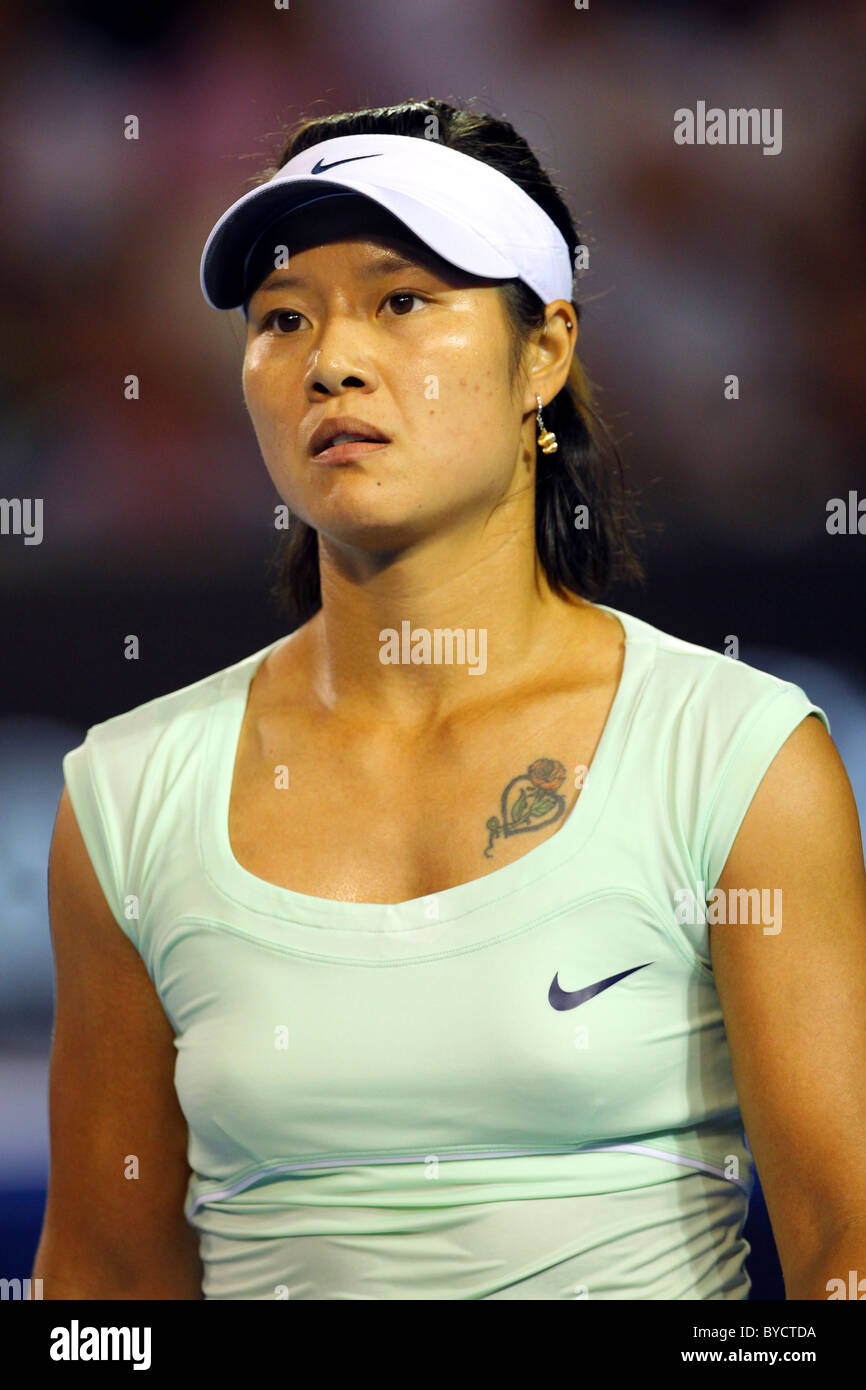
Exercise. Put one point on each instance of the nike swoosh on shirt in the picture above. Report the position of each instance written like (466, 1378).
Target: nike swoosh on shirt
(560, 998)
(319, 167)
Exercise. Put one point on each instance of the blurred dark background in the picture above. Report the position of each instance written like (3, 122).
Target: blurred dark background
(157, 513)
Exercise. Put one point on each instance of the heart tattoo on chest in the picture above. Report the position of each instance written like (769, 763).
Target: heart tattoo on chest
(529, 802)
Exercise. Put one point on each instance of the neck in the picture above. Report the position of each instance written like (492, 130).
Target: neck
(381, 643)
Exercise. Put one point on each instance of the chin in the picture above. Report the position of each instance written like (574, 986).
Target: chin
(379, 528)
(372, 534)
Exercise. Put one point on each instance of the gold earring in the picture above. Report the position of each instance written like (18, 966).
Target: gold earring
(546, 438)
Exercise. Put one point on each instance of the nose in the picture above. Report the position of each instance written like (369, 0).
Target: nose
(328, 383)
(338, 364)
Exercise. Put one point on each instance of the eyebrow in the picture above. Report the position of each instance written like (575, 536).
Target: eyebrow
(378, 268)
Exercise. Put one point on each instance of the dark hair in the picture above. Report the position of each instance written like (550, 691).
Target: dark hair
(587, 469)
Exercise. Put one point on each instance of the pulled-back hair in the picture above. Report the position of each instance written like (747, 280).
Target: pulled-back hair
(586, 470)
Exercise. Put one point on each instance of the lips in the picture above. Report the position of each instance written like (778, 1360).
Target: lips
(325, 433)
(347, 453)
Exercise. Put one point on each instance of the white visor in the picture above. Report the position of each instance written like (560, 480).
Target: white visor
(470, 214)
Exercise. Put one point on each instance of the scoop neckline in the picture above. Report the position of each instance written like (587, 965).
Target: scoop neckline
(220, 745)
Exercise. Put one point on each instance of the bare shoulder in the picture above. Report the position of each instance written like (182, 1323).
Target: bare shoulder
(805, 794)
(114, 1224)
(74, 891)
(792, 997)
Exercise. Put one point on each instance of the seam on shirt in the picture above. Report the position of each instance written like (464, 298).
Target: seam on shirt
(213, 923)
(280, 1168)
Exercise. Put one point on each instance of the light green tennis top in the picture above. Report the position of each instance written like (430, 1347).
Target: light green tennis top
(519, 1087)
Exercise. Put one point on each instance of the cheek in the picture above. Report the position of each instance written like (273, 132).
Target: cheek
(250, 385)
(461, 390)
(253, 379)
(264, 401)
(471, 420)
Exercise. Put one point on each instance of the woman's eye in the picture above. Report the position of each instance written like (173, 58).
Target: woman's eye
(404, 295)
(279, 320)
(270, 320)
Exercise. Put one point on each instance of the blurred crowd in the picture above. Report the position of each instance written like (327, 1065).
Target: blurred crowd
(703, 261)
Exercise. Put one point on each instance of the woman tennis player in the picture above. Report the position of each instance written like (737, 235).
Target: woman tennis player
(446, 947)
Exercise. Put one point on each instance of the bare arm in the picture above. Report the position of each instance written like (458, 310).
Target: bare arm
(111, 1101)
(793, 1009)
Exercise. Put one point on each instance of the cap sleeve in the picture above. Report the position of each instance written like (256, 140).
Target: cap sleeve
(748, 757)
(101, 832)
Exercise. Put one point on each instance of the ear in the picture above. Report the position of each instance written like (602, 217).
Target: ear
(550, 353)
